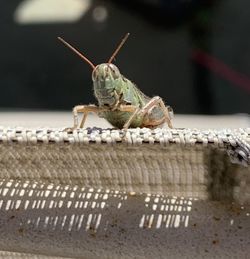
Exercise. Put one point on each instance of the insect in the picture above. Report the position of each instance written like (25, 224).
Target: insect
(120, 102)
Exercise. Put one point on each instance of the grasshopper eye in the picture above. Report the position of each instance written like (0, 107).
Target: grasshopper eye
(94, 75)
(115, 71)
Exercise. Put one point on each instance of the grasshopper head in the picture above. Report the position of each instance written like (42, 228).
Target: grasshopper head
(105, 78)
(105, 72)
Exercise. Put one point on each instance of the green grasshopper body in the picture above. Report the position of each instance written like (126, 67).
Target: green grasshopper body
(119, 101)
(111, 87)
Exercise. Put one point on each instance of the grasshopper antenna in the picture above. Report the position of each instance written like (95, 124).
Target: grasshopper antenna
(118, 48)
(77, 52)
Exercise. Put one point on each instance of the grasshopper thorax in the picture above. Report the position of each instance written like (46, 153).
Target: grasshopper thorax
(106, 78)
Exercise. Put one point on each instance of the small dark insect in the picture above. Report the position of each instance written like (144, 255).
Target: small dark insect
(119, 100)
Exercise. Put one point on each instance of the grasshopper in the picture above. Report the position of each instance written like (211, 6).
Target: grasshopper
(120, 102)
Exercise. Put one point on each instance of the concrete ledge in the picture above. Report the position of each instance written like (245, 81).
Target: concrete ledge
(89, 194)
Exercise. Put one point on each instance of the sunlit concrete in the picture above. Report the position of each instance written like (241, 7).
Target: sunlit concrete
(65, 119)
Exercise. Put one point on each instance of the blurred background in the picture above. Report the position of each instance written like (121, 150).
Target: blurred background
(194, 54)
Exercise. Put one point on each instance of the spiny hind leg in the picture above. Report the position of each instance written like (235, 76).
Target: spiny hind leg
(85, 109)
(154, 102)
(158, 101)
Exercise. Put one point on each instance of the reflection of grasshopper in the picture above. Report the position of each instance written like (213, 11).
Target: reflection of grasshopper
(120, 101)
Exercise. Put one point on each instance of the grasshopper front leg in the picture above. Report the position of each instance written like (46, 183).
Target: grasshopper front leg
(85, 109)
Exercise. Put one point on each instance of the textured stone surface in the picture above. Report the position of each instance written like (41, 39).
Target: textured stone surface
(67, 219)
(82, 222)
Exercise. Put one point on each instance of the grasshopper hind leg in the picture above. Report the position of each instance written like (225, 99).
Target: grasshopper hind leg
(168, 112)
(147, 109)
